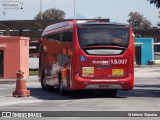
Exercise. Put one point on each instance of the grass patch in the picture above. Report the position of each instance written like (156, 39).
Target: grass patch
(33, 72)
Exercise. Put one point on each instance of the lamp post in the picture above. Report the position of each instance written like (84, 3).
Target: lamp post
(74, 9)
(41, 8)
(4, 13)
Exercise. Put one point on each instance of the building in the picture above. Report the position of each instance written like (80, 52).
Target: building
(14, 55)
(148, 33)
(144, 50)
(157, 51)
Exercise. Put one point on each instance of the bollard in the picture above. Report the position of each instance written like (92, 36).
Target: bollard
(21, 90)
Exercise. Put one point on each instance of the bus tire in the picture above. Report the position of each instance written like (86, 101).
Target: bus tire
(45, 87)
(61, 90)
(110, 93)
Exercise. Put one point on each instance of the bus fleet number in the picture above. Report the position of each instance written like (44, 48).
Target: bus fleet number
(119, 61)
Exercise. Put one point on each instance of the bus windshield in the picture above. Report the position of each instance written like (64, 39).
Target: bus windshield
(103, 35)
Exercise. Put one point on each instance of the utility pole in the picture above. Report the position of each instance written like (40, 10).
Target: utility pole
(41, 9)
(74, 9)
(4, 13)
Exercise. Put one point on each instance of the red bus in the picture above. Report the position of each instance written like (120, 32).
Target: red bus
(87, 55)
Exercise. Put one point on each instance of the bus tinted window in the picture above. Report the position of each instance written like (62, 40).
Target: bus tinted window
(103, 35)
(53, 37)
(67, 36)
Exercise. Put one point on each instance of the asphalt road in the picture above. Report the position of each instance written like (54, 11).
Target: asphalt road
(144, 97)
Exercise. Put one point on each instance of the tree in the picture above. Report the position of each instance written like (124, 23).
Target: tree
(155, 2)
(137, 21)
(146, 24)
(51, 14)
(158, 24)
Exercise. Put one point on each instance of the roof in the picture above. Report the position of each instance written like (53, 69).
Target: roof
(27, 28)
(25, 24)
(30, 24)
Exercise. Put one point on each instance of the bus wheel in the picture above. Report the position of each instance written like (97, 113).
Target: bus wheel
(44, 85)
(60, 85)
(110, 93)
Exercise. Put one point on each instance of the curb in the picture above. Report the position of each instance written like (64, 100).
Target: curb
(31, 79)
(14, 81)
(146, 66)
(6, 81)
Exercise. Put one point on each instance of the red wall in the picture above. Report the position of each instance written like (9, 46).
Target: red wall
(16, 55)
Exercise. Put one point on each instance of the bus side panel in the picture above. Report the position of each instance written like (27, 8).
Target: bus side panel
(49, 61)
(131, 49)
(55, 57)
(74, 59)
(64, 62)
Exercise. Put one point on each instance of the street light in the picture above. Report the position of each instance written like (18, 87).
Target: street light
(74, 9)
(4, 13)
(41, 8)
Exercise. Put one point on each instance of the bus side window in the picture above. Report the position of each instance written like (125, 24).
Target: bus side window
(57, 37)
(53, 37)
(67, 36)
(48, 37)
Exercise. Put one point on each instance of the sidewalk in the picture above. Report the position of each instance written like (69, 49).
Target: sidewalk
(7, 81)
(33, 78)
(142, 66)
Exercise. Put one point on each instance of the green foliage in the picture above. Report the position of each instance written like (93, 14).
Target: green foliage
(137, 21)
(157, 4)
(158, 24)
(33, 72)
(51, 14)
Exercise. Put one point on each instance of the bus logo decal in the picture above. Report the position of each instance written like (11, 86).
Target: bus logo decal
(102, 62)
(83, 58)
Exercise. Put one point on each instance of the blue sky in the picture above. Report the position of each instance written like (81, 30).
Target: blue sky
(117, 11)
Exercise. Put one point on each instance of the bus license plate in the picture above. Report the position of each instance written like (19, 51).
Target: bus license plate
(117, 72)
(88, 70)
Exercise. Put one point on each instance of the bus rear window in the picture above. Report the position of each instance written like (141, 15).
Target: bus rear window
(103, 35)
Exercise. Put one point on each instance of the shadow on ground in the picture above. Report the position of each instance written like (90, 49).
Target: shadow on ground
(54, 95)
(143, 91)
(139, 91)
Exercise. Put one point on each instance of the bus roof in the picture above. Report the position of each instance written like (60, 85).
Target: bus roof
(69, 24)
